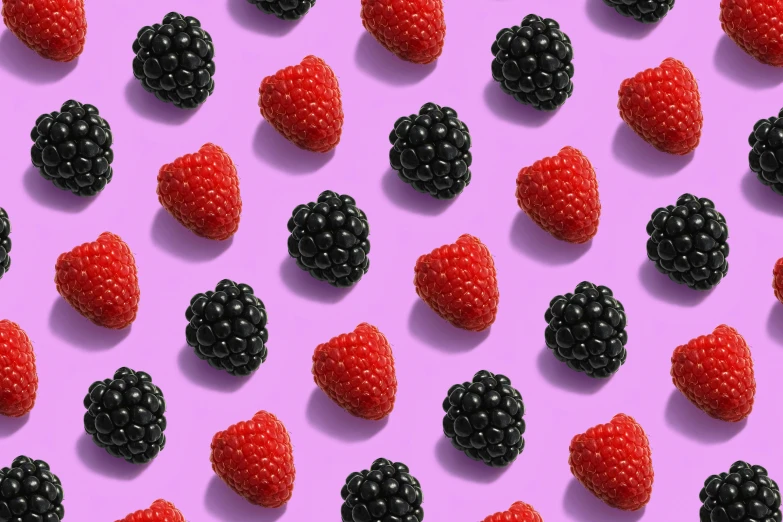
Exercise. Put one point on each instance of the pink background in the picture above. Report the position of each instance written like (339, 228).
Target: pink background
(431, 355)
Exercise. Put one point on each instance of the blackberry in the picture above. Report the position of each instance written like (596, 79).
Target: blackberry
(484, 419)
(174, 61)
(329, 239)
(431, 151)
(745, 494)
(125, 416)
(227, 328)
(386, 492)
(5, 242)
(586, 330)
(72, 148)
(284, 9)
(688, 242)
(30, 492)
(533, 63)
(645, 11)
(766, 141)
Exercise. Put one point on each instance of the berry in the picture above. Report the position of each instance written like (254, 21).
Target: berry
(431, 151)
(160, 511)
(777, 279)
(613, 461)
(5, 242)
(18, 375)
(174, 61)
(755, 26)
(30, 492)
(745, 493)
(533, 63)
(201, 191)
(663, 106)
(484, 419)
(356, 371)
(766, 143)
(518, 512)
(55, 29)
(414, 30)
(715, 372)
(227, 328)
(125, 416)
(303, 103)
(72, 148)
(387, 491)
(329, 239)
(688, 242)
(110, 296)
(646, 11)
(255, 459)
(560, 194)
(284, 9)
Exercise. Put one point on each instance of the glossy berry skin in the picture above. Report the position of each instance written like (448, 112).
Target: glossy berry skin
(715, 373)
(5, 243)
(175, 61)
(518, 512)
(303, 103)
(744, 494)
(55, 29)
(110, 296)
(663, 106)
(201, 191)
(72, 148)
(284, 9)
(777, 279)
(614, 462)
(18, 374)
(160, 511)
(645, 11)
(414, 30)
(560, 194)
(356, 371)
(256, 460)
(30, 492)
(755, 26)
(385, 492)
(766, 143)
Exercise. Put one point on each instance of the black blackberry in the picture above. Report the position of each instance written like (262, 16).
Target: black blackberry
(431, 151)
(285, 9)
(227, 328)
(533, 63)
(386, 492)
(5, 242)
(688, 242)
(586, 330)
(174, 61)
(125, 415)
(329, 239)
(30, 492)
(766, 155)
(72, 148)
(646, 11)
(743, 494)
(484, 419)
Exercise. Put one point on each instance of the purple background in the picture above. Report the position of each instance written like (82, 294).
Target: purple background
(431, 355)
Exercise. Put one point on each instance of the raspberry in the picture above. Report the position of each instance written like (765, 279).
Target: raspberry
(18, 375)
(414, 30)
(160, 511)
(284, 9)
(387, 491)
(5, 243)
(645, 11)
(55, 29)
(518, 512)
(755, 26)
(745, 493)
(777, 279)
(30, 492)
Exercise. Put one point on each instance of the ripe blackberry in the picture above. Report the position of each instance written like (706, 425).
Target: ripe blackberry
(745, 493)
(72, 148)
(688, 242)
(125, 415)
(645, 11)
(385, 492)
(227, 328)
(5, 242)
(284, 9)
(533, 63)
(30, 492)
(766, 141)
(174, 61)
(329, 239)
(431, 151)
(484, 419)
(586, 330)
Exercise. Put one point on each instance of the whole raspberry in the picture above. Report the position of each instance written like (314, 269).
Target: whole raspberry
(160, 511)
(414, 30)
(18, 374)
(777, 279)
(755, 26)
(518, 512)
(55, 29)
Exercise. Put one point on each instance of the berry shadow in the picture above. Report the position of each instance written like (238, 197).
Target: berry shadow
(202, 374)
(277, 152)
(24, 63)
(104, 464)
(508, 109)
(761, 196)
(539, 245)
(685, 418)
(583, 506)
(738, 66)
(775, 322)
(171, 236)
(328, 418)
(436, 332)
(405, 197)
(641, 157)
(459, 465)
(69, 326)
(664, 289)
(46, 194)
(251, 18)
(225, 505)
(307, 287)
(10, 425)
(559, 374)
(147, 106)
(383, 65)
(609, 21)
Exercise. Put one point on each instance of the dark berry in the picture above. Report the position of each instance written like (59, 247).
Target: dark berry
(766, 153)
(386, 492)
(646, 11)
(744, 494)
(5, 242)
(30, 492)
(285, 9)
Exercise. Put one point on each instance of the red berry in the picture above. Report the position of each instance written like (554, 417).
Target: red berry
(663, 106)
(55, 29)
(459, 283)
(777, 279)
(756, 26)
(99, 280)
(356, 371)
(256, 460)
(518, 512)
(414, 30)
(560, 194)
(18, 376)
(160, 511)
(613, 461)
(201, 191)
(715, 372)
(302, 102)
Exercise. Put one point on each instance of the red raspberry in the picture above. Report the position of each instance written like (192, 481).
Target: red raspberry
(414, 30)
(302, 102)
(777, 279)
(663, 106)
(518, 512)
(18, 376)
(160, 511)
(356, 371)
(560, 194)
(715, 372)
(99, 280)
(756, 26)
(459, 283)
(201, 191)
(614, 462)
(55, 29)
(256, 460)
